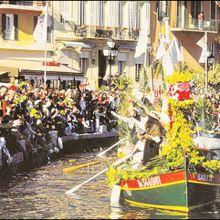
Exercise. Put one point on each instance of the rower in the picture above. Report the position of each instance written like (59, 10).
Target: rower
(153, 128)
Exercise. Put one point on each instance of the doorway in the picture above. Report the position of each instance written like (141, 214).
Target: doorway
(102, 67)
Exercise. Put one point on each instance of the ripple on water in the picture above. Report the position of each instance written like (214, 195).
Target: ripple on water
(41, 194)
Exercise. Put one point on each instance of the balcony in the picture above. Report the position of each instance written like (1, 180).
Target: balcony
(191, 24)
(22, 5)
(103, 32)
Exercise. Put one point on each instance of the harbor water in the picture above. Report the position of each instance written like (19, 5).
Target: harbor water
(40, 194)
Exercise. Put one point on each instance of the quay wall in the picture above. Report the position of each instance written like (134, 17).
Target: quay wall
(72, 143)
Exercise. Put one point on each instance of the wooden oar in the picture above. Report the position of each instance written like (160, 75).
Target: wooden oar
(114, 145)
(69, 192)
(73, 168)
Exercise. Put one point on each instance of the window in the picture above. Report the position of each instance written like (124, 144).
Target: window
(10, 26)
(162, 9)
(213, 9)
(195, 8)
(81, 13)
(92, 13)
(100, 13)
(35, 21)
(84, 65)
(121, 67)
(62, 22)
(66, 10)
(138, 68)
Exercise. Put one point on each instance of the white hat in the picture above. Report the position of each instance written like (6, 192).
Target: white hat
(38, 122)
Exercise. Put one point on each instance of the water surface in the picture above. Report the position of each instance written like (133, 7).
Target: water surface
(41, 194)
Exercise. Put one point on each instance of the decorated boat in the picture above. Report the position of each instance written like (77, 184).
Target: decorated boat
(186, 173)
(179, 191)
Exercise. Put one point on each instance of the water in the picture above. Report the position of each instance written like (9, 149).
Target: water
(40, 194)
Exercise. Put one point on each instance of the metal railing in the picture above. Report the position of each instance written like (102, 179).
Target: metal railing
(103, 32)
(197, 25)
(24, 3)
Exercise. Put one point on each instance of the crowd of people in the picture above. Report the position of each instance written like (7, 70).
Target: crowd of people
(28, 113)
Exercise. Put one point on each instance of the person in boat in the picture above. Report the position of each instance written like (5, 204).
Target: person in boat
(152, 137)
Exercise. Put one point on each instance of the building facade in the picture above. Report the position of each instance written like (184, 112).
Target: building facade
(79, 32)
(20, 55)
(83, 28)
(183, 24)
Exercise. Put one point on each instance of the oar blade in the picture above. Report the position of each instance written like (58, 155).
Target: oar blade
(71, 191)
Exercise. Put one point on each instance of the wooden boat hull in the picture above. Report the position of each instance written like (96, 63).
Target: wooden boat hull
(171, 191)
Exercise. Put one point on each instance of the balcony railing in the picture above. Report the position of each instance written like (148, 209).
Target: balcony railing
(23, 3)
(102, 32)
(192, 24)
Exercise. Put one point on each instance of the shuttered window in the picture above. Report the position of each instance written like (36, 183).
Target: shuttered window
(213, 9)
(66, 10)
(162, 9)
(16, 26)
(10, 26)
(100, 13)
(80, 13)
(92, 13)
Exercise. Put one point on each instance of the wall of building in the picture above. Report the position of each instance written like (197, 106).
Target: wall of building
(191, 52)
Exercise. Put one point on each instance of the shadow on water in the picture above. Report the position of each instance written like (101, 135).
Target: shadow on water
(41, 194)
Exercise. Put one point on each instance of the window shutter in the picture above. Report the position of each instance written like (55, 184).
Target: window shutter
(160, 11)
(16, 26)
(35, 21)
(3, 22)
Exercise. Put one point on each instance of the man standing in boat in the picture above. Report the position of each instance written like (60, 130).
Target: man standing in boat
(151, 137)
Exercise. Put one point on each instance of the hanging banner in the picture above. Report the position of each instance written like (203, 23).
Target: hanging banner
(201, 43)
(175, 53)
(167, 64)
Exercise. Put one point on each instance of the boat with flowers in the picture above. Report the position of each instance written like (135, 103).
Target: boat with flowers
(186, 173)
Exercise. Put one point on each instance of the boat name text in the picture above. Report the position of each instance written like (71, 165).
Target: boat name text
(152, 181)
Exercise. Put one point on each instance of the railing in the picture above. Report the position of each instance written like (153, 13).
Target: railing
(103, 32)
(197, 25)
(24, 3)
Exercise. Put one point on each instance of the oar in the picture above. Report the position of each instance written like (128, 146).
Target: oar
(69, 192)
(73, 168)
(114, 145)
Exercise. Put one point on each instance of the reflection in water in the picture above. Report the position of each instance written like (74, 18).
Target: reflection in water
(41, 194)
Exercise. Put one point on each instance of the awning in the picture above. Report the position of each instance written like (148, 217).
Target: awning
(36, 66)
(2, 72)
(77, 44)
(11, 70)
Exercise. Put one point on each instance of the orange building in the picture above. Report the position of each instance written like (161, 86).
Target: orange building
(184, 25)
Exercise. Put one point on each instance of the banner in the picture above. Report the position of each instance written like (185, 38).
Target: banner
(175, 53)
(201, 43)
(160, 49)
(167, 64)
(40, 31)
(142, 41)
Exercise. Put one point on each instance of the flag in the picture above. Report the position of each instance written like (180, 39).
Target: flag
(160, 49)
(142, 41)
(175, 53)
(201, 43)
(40, 31)
(167, 64)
